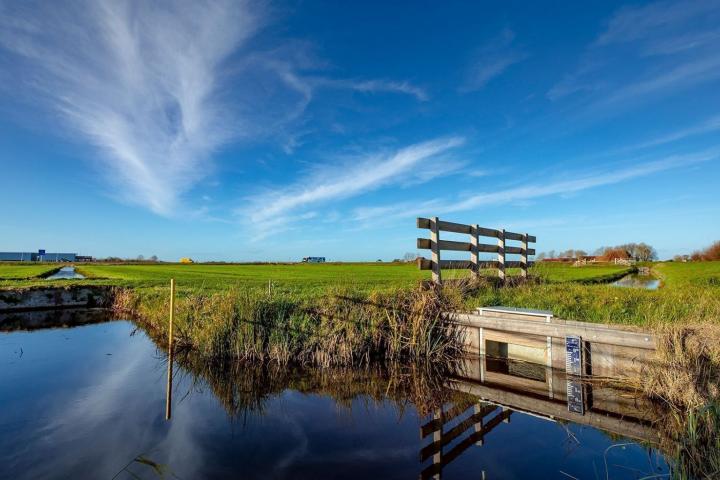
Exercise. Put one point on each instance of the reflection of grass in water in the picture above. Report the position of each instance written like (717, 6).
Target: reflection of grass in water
(160, 470)
(696, 443)
(244, 388)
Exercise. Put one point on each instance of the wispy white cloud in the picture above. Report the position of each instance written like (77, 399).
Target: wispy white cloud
(709, 125)
(328, 183)
(633, 23)
(138, 80)
(159, 87)
(647, 52)
(579, 182)
(492, 60)
(375, 86)
(683, 76)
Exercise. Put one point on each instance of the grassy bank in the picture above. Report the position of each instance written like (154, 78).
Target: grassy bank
(341, 327)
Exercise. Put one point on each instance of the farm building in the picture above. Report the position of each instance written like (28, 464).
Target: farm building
(39, 256)
(313, 259)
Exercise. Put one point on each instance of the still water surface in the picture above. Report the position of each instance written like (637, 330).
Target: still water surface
(89, 402)
(65, 273)
(634, 280)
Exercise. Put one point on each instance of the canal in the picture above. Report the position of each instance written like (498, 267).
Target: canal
(66, 273)
(89, 402)
(634, 280)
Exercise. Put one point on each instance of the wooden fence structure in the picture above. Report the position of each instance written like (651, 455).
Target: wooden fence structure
(436, 245)
(448, 425)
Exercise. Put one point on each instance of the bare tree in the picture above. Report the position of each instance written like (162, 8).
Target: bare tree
(410, 257)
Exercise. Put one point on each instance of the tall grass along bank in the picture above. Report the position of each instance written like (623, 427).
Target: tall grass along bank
(342, 327)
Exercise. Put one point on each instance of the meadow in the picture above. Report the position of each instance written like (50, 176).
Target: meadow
(309, 279)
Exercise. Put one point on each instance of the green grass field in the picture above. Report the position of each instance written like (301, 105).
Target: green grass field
(677, 274)
(310, 278)
(14, 271)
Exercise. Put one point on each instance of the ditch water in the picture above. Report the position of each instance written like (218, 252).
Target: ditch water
(65, 273)
(634, 280)
(90, 402)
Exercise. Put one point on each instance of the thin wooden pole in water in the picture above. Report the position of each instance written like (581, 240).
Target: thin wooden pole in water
(168, 398)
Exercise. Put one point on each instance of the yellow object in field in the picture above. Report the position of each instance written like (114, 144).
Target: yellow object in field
(186, 260)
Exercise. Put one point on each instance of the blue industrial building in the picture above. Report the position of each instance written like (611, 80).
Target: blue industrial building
(39, 256)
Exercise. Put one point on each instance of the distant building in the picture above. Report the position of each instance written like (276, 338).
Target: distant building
(186, 260)
(314, 260)
(39, 256)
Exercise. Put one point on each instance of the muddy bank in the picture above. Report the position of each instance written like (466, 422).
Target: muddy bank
(40, 298)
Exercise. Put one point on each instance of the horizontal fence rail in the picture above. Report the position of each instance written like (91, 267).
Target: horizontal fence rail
(436, 245)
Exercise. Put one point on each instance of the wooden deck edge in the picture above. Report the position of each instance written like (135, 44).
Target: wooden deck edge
(557, 328)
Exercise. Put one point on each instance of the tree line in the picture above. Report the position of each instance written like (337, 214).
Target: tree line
(710, 253)
(640, 252)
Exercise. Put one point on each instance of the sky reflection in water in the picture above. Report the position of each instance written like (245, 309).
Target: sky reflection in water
(84, 402)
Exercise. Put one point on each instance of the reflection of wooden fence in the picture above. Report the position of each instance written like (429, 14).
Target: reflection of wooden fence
(445, 428)
(436, 245)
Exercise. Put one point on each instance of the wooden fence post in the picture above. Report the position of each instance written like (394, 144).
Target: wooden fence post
(501, 255)
(435, 248)
(524, 256)
(474, 240)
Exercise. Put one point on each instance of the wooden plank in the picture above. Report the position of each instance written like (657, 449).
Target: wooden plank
(519, 237)
(519, 250)
(426, 264)
(485, 248)
(426, 243)
(454, 227)
(488, 232)
(560, 329)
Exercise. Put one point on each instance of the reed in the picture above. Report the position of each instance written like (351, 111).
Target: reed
(341, 327)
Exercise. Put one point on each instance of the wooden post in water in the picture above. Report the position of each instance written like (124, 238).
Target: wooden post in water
(501, 255)
(435, 249)
(168, 398)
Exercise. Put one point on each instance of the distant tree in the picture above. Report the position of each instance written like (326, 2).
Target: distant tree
(140, 258)
(551, 254)
(154, 258)
(642, 252)
(612, 253)
(580, 253)
(713, 252)
(410, 257)
(541, 256)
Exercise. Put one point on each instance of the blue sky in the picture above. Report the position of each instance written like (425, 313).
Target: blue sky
(272, 131)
